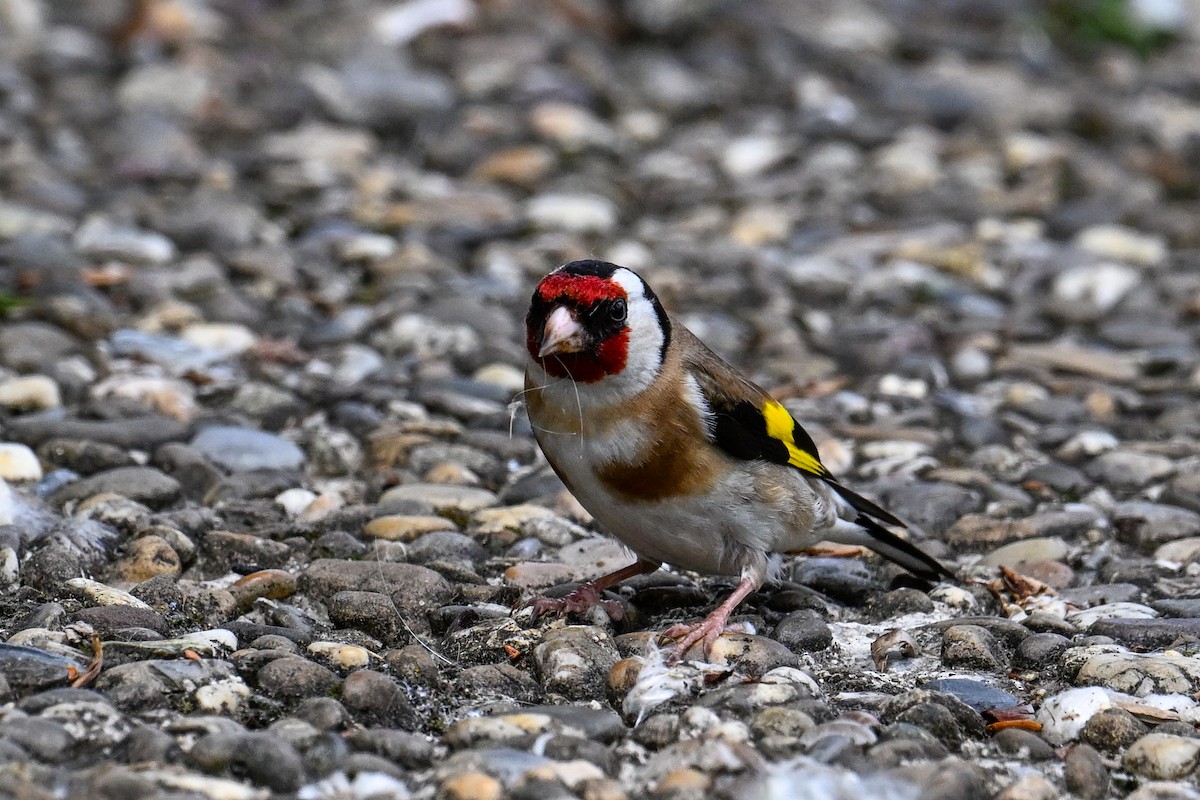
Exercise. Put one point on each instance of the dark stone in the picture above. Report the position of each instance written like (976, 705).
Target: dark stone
(44, 739)
(415, 590)
(1023, 744)
(141, 484)
(410, 750)
(898, 602)
(1147, 634)
(972, 647)
(803, 631)
(1040, 650)
(376, 699)
(1085, 773)
(1112, 729)
(976, 694)
(372, 612)
(843, 579)
(107, 620)
(133, 433)
(292, 678)
(268, 760)
(84, 456)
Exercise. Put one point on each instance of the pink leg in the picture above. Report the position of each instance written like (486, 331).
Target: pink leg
(587, 596)
(713, 625)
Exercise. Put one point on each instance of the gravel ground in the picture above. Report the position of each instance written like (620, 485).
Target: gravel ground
(268, 507)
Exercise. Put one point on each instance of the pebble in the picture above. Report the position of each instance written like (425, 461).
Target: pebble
(1064, 715)
(452, 500)
(1123, 244)
(972, 647)
(294, 678)
(415, 590)
(405, 528)
(1088, 292)
(1163, 757)
(575, 661)
(1140, 673)
(1148, 525)
(575, 213)
(1085, 773)
(978, 695)
(145, 485)
(101, 239)
(376, 699)
(30, 393)
(245, 449)
(19, 463)
(803, 631)
(1112, 730)
(1020, 553)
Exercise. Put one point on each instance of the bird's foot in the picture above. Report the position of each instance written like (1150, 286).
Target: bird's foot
(706, 632)
(712, 626)
(578, 601)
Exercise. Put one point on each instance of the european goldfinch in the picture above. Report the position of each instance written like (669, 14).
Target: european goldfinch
(673, 451)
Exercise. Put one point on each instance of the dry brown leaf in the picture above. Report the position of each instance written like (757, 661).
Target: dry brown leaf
(898, 640)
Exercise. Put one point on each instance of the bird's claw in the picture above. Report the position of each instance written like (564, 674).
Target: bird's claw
(577, 601)
(689, 635)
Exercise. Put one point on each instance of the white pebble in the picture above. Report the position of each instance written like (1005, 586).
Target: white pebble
(1064, 715)
(1098, 287)
(750, 156)
(294, 501)
(30, 393)
(18, 463)
(227, 338)
(223, 696)
(1087, 444)
(1123, 244)
(576, 213)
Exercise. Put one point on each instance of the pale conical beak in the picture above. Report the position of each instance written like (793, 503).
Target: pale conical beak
(563, 334)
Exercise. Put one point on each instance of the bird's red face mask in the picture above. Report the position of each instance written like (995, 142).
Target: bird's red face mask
(576, 327)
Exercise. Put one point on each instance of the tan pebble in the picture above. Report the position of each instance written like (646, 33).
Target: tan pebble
(274, 584)
(404, 528)
(602, 789)
(100, 594)
(174, 398)
(681, 781)
(342, 656)
(537, 574)
(450, 473)
(526, 167)
(147, 557)
(495, 520)
(758, 225)
(321, 507)
(624, 674)
(471, 786)
(1102, 405)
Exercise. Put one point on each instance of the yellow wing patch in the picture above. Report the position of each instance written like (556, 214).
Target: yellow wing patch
(781, 426)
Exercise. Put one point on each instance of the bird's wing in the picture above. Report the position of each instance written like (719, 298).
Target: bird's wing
(749, 424)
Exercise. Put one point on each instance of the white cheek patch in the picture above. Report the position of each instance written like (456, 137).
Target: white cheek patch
(631, 283)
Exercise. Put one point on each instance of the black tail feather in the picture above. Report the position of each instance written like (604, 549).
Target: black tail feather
(865, 506)
(903, 552)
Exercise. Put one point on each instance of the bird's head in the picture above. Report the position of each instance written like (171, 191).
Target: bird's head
(591, 321)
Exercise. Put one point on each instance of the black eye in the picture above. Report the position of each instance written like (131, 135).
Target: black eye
(617, 311)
